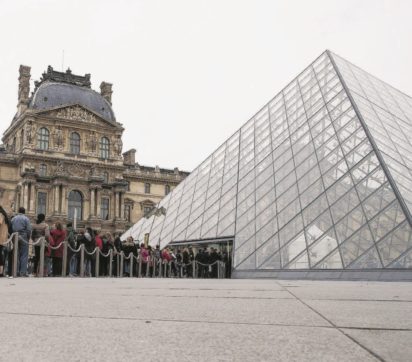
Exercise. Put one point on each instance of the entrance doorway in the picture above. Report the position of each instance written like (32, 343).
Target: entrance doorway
(205, 253)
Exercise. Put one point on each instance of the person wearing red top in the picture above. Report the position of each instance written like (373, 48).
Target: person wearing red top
(98, 240)
(57, 237)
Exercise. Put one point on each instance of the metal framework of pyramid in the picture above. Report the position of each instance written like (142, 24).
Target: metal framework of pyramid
(319, 179)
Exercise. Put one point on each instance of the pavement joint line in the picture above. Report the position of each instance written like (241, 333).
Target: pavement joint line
(337, 328)
(208, 322)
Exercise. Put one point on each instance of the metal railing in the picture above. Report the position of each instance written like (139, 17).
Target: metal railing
(115, 264)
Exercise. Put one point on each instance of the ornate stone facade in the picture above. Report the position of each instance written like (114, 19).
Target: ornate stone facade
(62, 155)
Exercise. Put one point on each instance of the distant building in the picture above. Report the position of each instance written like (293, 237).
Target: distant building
(62, 156)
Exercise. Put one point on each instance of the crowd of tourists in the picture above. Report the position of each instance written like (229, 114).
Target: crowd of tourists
(99, 247)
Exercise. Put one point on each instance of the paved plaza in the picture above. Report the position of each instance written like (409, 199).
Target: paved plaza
(55, 319)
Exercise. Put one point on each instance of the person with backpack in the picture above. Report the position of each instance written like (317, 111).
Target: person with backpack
(39, 230)
(21, 225)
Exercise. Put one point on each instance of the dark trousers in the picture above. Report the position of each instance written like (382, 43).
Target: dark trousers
(57, 266)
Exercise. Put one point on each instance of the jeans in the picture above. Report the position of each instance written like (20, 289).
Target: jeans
(73, 265)
(23, 255)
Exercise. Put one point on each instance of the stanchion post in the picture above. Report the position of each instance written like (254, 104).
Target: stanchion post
(121, 264)
(64, 266)
(160, 268)
(82, 260)
(218, 269)
(194, 269)
(131, 265)
(97, 262)
(147, 268)
(41, 266)
(15, 254)
(140, 266)
(110, 263)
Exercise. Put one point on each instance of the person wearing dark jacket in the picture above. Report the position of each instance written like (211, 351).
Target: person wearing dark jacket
(39, 230)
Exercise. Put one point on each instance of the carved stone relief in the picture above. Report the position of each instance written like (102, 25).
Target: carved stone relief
(76, 113)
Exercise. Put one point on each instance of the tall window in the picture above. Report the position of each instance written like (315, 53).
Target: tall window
(41, 203)
(75, 143)
(42, 170)
(167, 189)
(147, 188)
(22, 138)
(75, 205)
(104, 209)
(43, 138)
(104, 148)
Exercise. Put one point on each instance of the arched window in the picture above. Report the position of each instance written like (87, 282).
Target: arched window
(75, 205)
(43, 169)
(167, 189)
(75, 143)
(104, 148)
(43, 138)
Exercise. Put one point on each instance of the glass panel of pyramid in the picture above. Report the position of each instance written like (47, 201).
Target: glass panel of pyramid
(319, 178)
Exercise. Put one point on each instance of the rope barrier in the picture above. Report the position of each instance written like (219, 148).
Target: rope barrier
(74, 250)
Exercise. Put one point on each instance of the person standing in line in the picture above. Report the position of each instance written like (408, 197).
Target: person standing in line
(21, 225)
(57, 237)
(99, 243)
(72, 244)
(39, 229)
(4, 235)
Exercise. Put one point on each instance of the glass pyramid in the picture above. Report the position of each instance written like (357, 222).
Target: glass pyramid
(319, 178)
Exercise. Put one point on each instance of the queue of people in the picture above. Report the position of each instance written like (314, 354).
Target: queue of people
(98, 246)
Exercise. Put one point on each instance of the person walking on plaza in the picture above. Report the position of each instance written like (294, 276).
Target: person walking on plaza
(57, 237)
(21, 225)
(39, 230)
(4, 235)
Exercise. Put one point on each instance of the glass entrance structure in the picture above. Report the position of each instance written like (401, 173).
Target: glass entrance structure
(318, 184)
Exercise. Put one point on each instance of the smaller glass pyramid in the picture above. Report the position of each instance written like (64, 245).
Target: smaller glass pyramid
(320, 178)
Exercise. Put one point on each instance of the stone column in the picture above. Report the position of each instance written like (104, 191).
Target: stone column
(32, 196)
(56, 199)
(25, 196)
(92, 203)
(116, 204)
(64, 200)
(121, 195)
(98, 201)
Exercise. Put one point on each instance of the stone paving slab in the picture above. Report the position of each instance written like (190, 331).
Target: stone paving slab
(114, 340)
(55, 319)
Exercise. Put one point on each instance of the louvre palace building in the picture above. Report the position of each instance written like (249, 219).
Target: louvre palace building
(62, 155)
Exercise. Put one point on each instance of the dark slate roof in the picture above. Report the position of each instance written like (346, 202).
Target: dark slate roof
(52, 95)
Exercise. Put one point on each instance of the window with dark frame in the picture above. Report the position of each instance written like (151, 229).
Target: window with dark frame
(41, 203)
(167, 189)
(43, 138)
(104, 208)
(104, 148)
(147, 188)
(75, 143)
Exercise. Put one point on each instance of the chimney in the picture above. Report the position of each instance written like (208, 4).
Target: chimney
(129, 157)
(24, 88)
(106, 91)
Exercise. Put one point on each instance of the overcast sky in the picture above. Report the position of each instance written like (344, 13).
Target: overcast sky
(186, 74)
